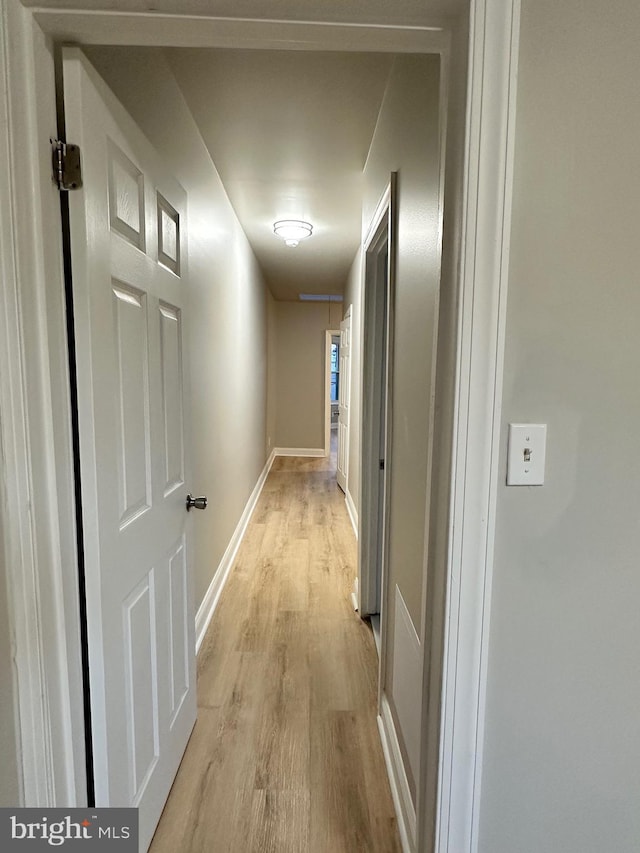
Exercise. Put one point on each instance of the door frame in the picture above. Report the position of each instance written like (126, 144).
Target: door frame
(380, 238)
(36, 491)
(328, 335)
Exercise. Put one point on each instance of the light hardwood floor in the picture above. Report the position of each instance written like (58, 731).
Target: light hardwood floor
(285, 756)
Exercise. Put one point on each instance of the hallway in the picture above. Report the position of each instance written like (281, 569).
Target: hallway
(285, 756)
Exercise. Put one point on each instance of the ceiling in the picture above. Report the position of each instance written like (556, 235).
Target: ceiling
(289, 132)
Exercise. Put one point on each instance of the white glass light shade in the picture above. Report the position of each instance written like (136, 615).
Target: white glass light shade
(292, 229)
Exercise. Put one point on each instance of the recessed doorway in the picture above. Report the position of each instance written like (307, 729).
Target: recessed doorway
(376, 401)
(331, 393)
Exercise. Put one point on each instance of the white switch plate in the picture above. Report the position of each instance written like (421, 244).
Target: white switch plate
(525, 459)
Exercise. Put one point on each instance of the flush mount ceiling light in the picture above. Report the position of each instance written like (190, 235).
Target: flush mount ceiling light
(292, 230)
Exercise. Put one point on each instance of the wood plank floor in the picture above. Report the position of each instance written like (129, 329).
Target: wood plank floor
(285, 756)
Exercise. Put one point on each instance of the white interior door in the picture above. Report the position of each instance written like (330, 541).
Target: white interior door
(130, 291)
(344, 396)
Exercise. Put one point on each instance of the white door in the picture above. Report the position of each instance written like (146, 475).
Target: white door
(344, 395)
(130, 290)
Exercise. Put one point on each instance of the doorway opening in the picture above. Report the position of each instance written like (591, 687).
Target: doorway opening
(378, 297)
(331, 394)
(485, 216)
(344, 401)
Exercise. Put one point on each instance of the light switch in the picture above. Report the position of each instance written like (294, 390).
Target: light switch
(525, 458)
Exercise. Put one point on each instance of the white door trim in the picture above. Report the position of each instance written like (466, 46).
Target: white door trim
(36, 475)
(486, 225)
(104, 27)
(32, 531)
(380, 234)
(19, 531)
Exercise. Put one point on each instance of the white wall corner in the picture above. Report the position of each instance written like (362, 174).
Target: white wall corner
(353, 512)
(212, 596)
(400, 790)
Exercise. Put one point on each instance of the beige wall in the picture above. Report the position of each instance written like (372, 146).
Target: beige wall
(561, 770)
(407, 141)
(300, 371)
(443, 305)
(353, 297)
(228, 306)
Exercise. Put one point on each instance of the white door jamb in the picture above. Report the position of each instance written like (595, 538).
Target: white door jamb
(488, 176)
(37, 516)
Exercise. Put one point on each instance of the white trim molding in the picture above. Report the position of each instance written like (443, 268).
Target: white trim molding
(159, 29)
(376, 395)
(212, 596)
(488, 168)
(36, 474)
(315, 452)
(33, 735)
(399, 784)
(353, 512)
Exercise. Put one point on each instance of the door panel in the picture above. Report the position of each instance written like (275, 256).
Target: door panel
(130, 296)
(132, 400)
(141, 667)
(179, 634)
(126, 197)
(172, 395)
(168, 235)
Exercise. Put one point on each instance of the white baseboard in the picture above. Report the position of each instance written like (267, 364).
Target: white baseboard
(353, 512)
(354, 596)
(299, 451)
(400, 791)
(212, 596)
